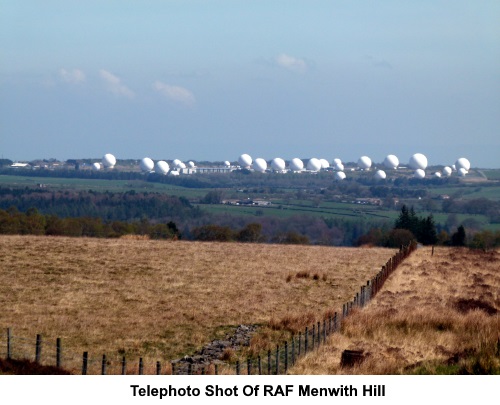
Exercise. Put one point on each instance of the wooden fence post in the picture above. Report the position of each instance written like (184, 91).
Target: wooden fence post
(324, 330)
(293, 349)
(313, 337)
(38, 348)
(335, 325)
(237, 367)
(85, 363)
(158, 368)
(319, 333)
(249, 366)
(300, 343)
(306, 341)
(277, 359)
(9, 348)
(286, 357)
(124, 365)
(269, 362)
(58, 352)
(259, 365)
(141, 366)
(103, 365)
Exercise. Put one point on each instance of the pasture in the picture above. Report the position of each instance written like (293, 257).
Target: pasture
(437, 314)
(161, 300)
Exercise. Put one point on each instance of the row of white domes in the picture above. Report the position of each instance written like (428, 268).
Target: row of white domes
(146, 164)
(418, 161)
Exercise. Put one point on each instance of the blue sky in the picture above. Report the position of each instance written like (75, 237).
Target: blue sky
(210, 80)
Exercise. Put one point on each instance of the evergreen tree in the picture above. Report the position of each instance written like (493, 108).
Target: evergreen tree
(428, 234)
(458, 238)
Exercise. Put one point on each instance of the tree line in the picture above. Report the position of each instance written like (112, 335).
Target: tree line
(409, 226)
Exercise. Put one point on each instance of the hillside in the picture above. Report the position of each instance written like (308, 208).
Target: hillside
(436, 314)
(163, 299)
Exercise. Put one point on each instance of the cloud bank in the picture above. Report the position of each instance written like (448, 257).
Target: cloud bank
(291, 63)
(115, 85)
(177, 94)
(74, 76)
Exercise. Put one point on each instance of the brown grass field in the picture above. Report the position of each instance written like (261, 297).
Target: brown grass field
(435, 315)
(163, 299)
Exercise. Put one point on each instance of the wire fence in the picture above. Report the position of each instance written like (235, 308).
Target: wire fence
(272, 362)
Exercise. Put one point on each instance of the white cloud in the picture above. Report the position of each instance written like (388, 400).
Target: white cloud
(291, 63)
(74, 76)
(175, 93)
(115, 85)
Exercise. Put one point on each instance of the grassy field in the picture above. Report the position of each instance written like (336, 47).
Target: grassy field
(161, 299)
(437, 314)
(60, 183)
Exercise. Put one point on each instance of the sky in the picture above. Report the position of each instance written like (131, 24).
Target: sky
(210, 80)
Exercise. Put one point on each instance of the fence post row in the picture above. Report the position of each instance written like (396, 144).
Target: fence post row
(361, 299)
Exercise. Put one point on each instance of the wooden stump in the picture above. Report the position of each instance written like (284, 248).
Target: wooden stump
(351, 357)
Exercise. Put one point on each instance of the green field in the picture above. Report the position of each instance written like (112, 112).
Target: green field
(285, 201)
(61, 183)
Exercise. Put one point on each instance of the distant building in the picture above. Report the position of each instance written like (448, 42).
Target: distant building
(18, 165)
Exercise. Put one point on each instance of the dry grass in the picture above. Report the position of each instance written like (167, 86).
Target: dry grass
(435, 314)
(164, 299)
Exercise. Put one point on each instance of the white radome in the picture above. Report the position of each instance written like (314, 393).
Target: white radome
(454, 168)
(418, 161)
(462, 172)
(108, 161)
(146, 164)
(296, 165)
(391, 162)
(174, 173)
(278, 164)
(364, 162)
(96, 166)
(314, 165)
(419, 174)
(324, 163)
(337, 161)
(245, 161)
(227, 163)
(447, 171)
(437, 174)
(191, 164)
(260, 165)
(338, 166)
(339, 176)
(177, 163)
(162, 167)
(380, 175)
(462, 163)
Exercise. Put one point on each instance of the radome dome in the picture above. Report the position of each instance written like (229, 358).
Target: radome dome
(108, 161)
(260, 165)
(364, 162)
(162, 167)
(314, 165)
(296, 165)
(245, 161)
(391, 162)
(146, 164)
(418, 161)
